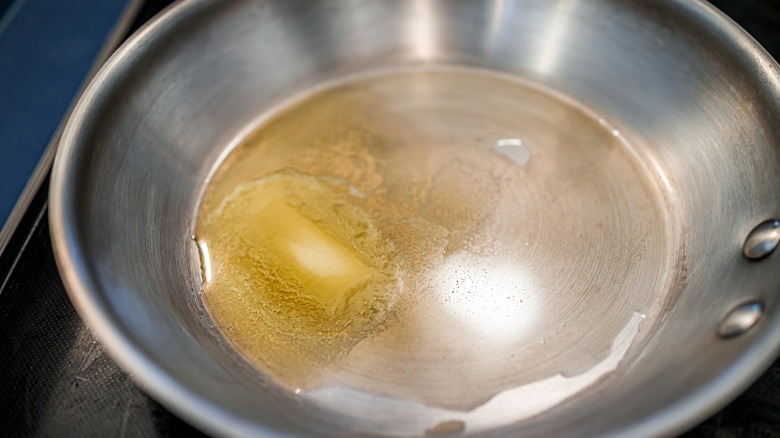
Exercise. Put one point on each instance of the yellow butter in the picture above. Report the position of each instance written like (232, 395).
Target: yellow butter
(298, 270)
(325, 266)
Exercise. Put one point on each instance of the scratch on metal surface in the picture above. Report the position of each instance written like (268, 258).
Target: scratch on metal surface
(125, 417)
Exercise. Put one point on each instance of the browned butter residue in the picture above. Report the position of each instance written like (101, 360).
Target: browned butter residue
(299, 272)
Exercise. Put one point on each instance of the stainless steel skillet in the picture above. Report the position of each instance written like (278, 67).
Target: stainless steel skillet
(694, 101)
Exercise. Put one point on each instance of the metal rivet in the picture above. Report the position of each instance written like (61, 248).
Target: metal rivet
(741, 319)
(762, 240)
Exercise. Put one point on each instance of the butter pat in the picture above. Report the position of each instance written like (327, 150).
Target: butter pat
(329, 269)
(293, 244)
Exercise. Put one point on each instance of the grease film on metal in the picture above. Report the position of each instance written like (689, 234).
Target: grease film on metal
(521, 242)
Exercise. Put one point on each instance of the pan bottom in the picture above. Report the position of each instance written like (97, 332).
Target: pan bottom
(532, 245)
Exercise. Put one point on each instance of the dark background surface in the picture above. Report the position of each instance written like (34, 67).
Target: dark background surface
(47, 47)
(56, 380)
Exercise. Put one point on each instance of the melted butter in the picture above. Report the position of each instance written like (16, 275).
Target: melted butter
(399, 235)
(299, 272)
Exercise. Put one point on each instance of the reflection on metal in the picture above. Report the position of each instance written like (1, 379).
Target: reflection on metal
(514, 149)
(763, 240)
(497, 19)
(556, 35)
(205, 261)
(741, 319)
(423, 41)
(412, 418)
(497, 301)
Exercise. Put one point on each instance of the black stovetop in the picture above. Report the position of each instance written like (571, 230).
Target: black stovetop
(56, 380)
